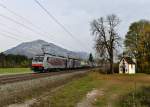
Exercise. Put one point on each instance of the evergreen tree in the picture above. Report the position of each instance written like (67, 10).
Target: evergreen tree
(91, 58)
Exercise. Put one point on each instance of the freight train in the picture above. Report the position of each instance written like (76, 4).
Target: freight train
(49, 62)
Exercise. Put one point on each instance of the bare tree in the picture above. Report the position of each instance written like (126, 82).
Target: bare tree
(106, 37)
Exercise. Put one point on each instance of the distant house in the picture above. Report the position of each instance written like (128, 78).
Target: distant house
(127, 66)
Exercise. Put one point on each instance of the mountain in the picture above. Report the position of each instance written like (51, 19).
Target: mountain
(33, 48)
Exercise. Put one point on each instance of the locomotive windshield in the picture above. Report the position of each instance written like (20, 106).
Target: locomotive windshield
(38, 59)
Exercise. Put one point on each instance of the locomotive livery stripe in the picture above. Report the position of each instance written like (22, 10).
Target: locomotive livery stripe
(37, 65)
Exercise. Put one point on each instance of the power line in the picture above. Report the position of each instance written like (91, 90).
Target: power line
(10, 33)
(16, 30)
(21, 17)
(4, 35)
(23, 25)
(60, 24)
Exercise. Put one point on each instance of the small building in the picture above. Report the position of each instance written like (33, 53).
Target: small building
(127, 66)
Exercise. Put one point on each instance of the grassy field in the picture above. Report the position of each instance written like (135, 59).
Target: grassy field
(112, 90)
(19, 92)
(14, 70)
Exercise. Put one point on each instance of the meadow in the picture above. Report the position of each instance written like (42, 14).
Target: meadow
(91, 89)
(111, 91)
(14, 70)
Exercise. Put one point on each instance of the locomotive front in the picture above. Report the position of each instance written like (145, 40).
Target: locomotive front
(37, 63)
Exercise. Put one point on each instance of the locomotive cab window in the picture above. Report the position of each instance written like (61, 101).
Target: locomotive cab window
(38, 59)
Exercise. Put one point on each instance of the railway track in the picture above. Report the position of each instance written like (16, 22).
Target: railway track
(29, 76)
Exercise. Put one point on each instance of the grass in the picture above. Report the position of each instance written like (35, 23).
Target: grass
(14, 70)
(22, 91)
(136, 98)
(118, 86)
(69, 95)
(67, 91)
(115, 87)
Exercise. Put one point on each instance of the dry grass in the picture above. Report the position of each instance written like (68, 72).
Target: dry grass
(21, 91)
(112, 86)
(115, 86)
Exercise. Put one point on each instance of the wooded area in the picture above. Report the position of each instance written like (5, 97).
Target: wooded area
(13, 61)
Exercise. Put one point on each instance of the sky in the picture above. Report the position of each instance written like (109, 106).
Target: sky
(75, 15)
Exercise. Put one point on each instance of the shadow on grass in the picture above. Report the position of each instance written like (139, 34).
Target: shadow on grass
(137, 98)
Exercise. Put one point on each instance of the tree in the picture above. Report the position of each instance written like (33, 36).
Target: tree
(137, 42)
(13, 61)
(106, 37)
(133, 36)
(91, 58)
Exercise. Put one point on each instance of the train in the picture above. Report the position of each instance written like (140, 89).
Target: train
(49, 62)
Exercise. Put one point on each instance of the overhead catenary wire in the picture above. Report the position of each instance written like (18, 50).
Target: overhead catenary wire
(12, 28)
(29, 22)
(21, 24)
(10, 33)
(26, 20)
(23, 18)
(10, 37)
(60, 24)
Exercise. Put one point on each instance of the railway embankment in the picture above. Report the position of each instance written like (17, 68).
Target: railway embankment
(20, 92)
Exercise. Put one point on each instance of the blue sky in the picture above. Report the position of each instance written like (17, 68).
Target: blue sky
(75, 15)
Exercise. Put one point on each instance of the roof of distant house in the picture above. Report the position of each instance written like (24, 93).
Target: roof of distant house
(128, 60)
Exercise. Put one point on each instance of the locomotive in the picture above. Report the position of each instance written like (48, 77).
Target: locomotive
(48, 62)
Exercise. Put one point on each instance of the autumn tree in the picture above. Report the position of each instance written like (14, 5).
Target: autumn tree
(106, 37)
(137, 42)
